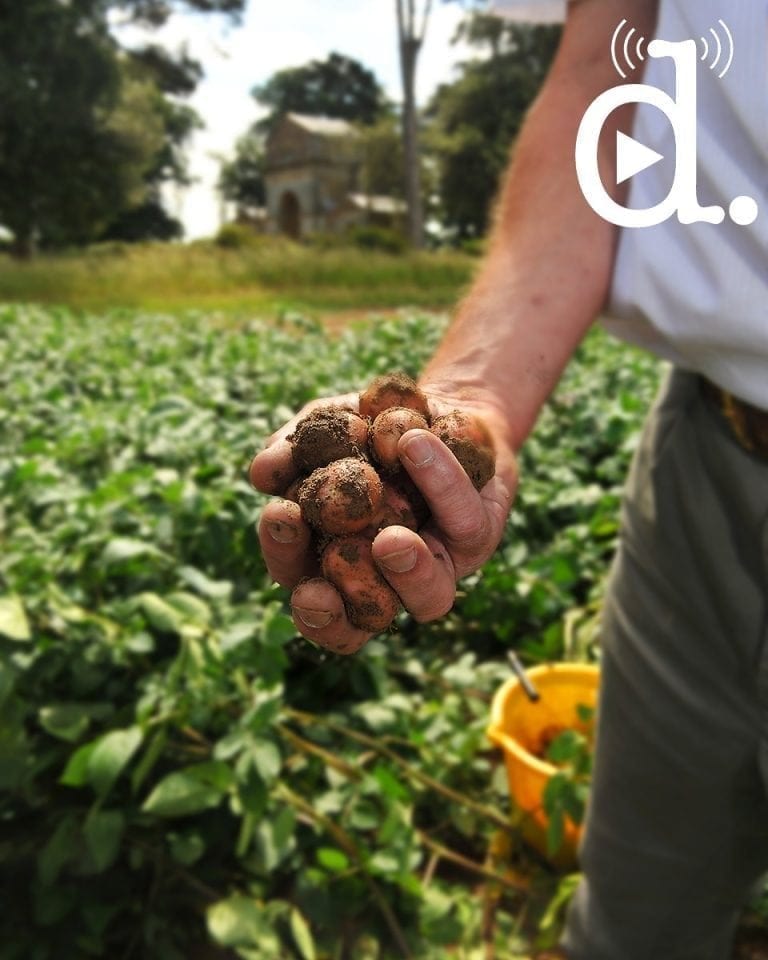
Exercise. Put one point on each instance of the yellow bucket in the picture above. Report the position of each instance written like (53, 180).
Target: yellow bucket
(523, 729)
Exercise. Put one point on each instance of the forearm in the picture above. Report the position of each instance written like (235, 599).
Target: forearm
(547, 272)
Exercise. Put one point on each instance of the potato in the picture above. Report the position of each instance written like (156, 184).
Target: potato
(327, 434)
(469, 441)
(291, 492)
(387, 429)
(403, 504)
(370, 602)
(344, 497)
(392, 390)
(351, 485)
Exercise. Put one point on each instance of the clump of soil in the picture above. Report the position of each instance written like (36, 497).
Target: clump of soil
(368, 614)
(328, 434)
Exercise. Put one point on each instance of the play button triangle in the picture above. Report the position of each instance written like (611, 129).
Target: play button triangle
(632, 157)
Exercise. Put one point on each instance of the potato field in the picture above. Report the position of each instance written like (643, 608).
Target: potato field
(181, 776)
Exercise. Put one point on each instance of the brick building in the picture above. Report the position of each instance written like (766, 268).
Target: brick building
(312, 175)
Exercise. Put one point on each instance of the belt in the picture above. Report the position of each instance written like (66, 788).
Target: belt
(748, 424)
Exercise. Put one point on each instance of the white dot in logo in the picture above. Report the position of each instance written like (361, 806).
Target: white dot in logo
(743, 210)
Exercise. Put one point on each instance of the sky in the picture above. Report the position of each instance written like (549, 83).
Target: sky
(271, 37)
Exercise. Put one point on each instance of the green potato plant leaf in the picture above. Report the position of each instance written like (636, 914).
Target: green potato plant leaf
(110, 755)
(67, 721)
(302, 936)
(103, 831)
(13, 619)
(189, 791)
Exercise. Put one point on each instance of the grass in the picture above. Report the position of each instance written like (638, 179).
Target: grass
(267, 275)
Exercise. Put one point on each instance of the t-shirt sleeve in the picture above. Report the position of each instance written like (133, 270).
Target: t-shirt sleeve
(530, 11)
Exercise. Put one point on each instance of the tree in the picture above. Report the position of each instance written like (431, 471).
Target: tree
(80, 127)
(411, 30)
(335, 87)
(382, 164)
(242, 179)
(172, 77)
(67, 148)
(178, 75)
(475, 119)
(155, 13)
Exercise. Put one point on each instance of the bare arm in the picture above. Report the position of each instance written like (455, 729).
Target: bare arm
(549, 264)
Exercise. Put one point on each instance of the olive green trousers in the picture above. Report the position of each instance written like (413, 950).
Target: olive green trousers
(677, 827)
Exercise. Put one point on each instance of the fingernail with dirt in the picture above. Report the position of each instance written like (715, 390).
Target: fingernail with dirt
(313, 618)
(399, 562)
(282, 532)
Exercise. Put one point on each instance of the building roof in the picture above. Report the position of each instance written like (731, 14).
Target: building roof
(324, 126)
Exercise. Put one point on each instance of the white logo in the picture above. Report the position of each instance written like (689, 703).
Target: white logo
(632, 156)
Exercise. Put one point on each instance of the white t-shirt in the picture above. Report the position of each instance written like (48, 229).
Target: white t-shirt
(697, 294)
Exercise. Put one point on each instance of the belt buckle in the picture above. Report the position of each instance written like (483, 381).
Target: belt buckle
(748, 423)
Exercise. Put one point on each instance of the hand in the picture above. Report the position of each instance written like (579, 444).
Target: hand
(464, 530)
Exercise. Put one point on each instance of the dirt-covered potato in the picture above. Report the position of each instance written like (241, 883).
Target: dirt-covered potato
(352, 485)
(403, 505)
(392, 390)
(291, 492)
(469, 441)
(370, 602)
(387, 429)
(327, 434)
(344, 497)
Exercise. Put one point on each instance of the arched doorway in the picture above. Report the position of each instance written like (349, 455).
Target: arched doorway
(289, 216)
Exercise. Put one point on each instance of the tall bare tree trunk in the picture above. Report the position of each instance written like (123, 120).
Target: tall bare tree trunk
(410, 38)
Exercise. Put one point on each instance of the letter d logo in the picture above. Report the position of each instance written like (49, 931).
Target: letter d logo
(681, 113)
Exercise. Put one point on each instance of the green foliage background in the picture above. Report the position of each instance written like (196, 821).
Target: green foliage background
(90, 130)
(474, 120)
(176, 766)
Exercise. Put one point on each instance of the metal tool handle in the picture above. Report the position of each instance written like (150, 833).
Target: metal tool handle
(525, 681)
